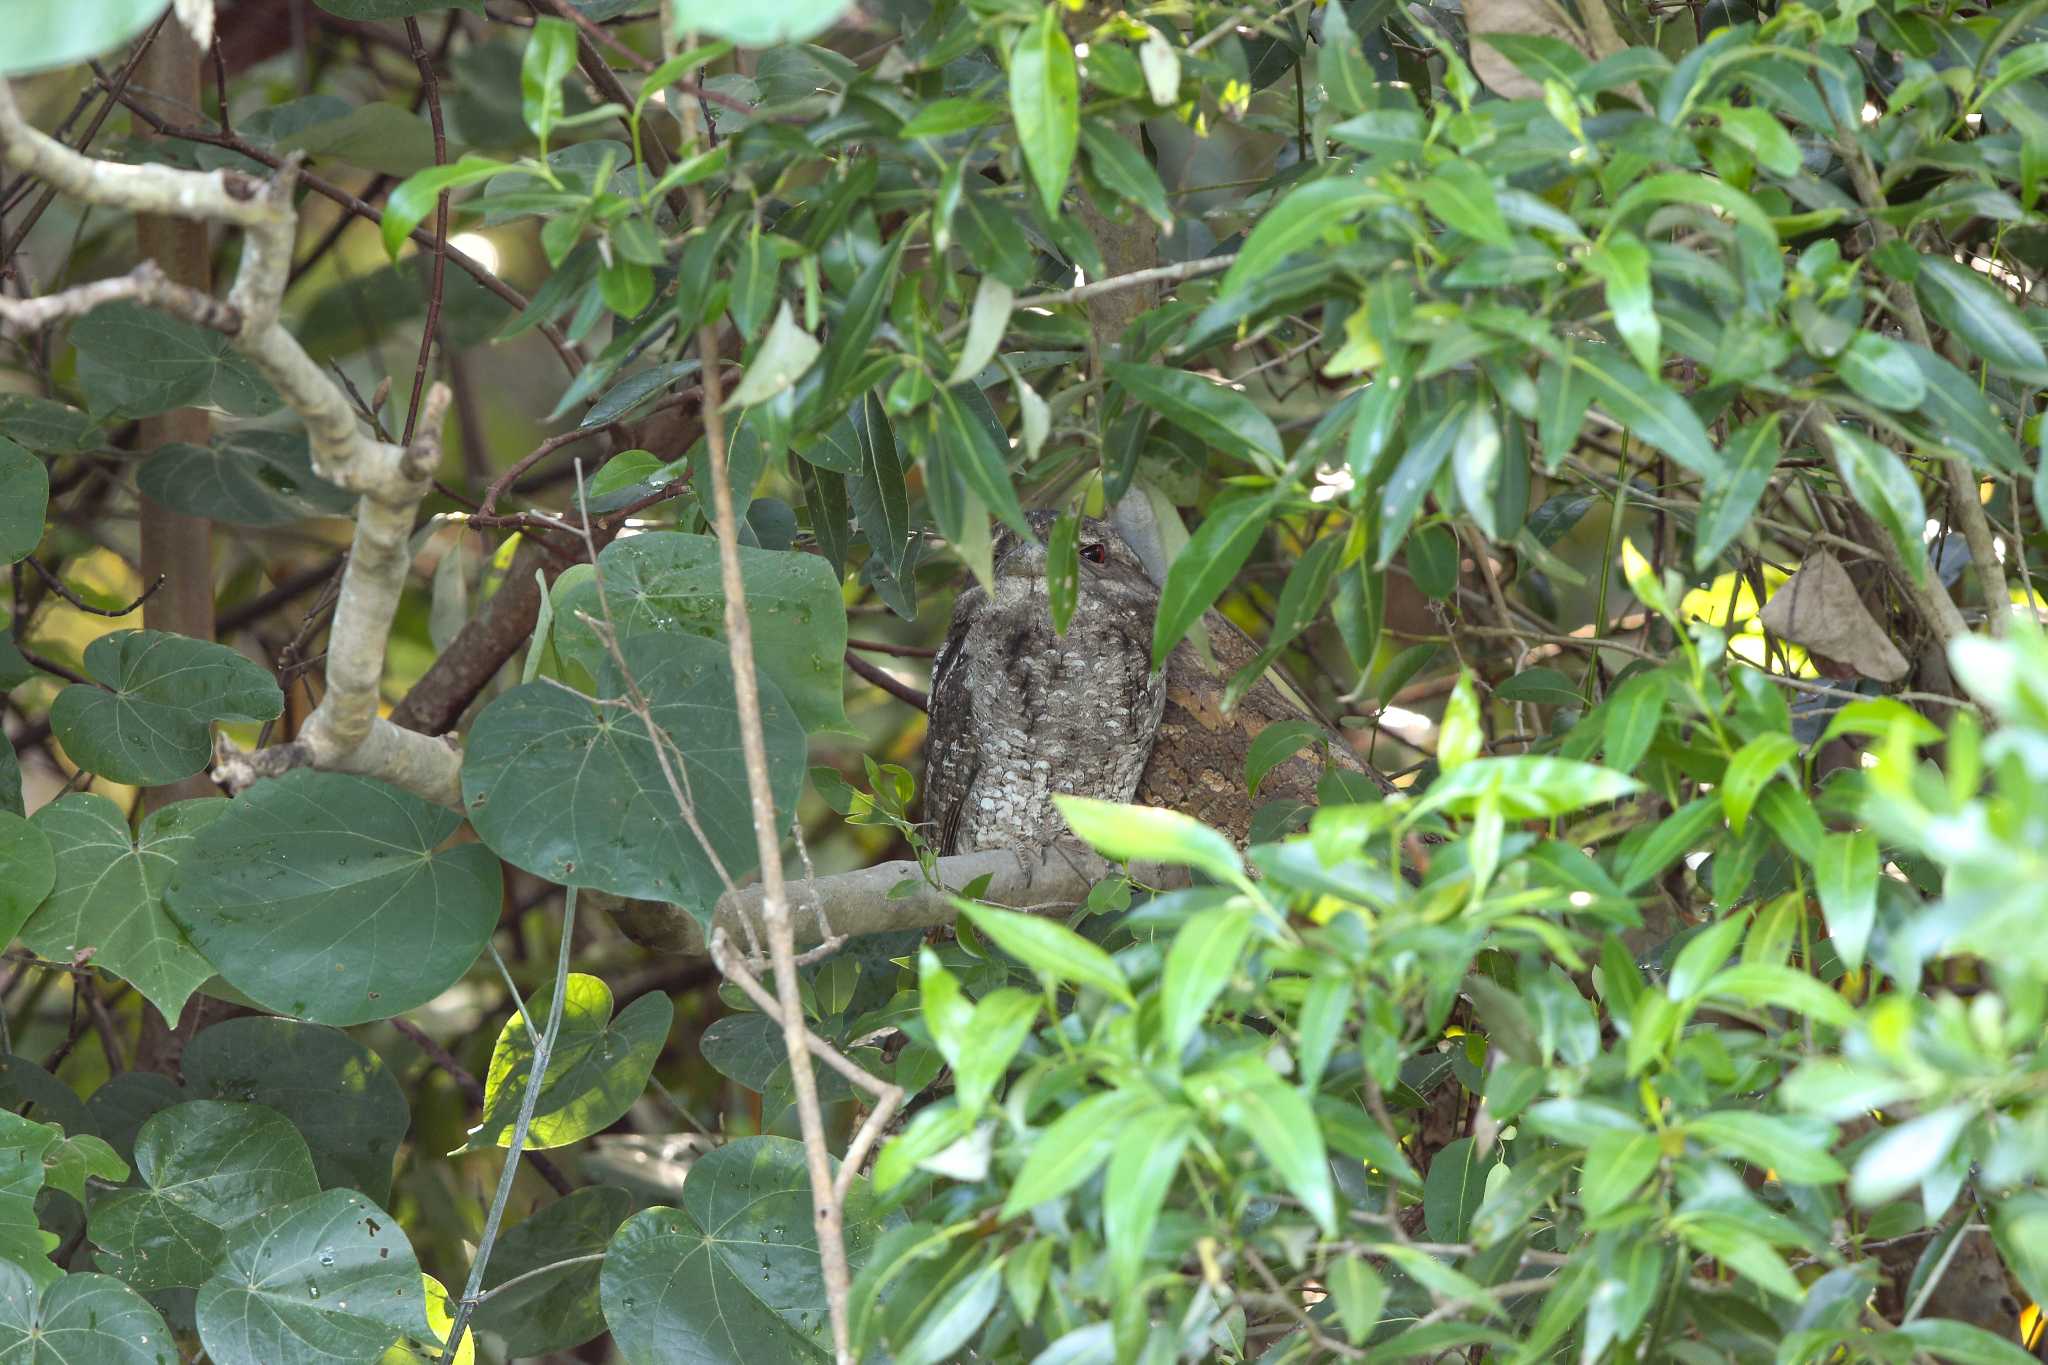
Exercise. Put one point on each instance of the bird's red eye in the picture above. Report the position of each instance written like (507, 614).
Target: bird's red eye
(1094, 553)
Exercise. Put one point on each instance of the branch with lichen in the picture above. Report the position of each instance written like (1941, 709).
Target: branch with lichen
(345, 732)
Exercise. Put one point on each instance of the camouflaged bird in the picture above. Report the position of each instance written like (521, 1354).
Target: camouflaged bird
(1019, 714)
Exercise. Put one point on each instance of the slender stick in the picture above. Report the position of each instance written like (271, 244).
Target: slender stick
(543, 1048)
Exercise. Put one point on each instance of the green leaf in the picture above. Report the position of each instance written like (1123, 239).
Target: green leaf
(1296, 223)
(866, 302)
(961, 437)
(784, 356)
(1215, 413)
(1947, 1339)
(669, 581)
(599, 1067)
(382, 137)
(1199, 965)
(331, 1277)
(1882, 485)
(576, 793)
(1527, 786)
(31, 864)
(1462, 197)
(1459, 738)
(24, 497)
(1845, 879)
(108, 893)
(414, 198)
(1123, 170)
(1616, 1166)
(1758, 132)
(1152, 834)
(2019, 1225)
(1957, 416)
(1069, 1150)
(339, 1094)
(1764, 983)
(1980, 316)
(1743, 1251)
(1730, 500)
(941, 1333)
(1205, 567)
(987, 318)
(550, 56)
(1797, 1150)
(557, 1309)
(25, 1147)
(1341, 67)
(150, 721)
(733, 1274)
(1647, 408)
(1880, 716)
(1677, 833)
(945, 117)
(1142, 1168)
(1049, 948)
(1282, 1125)
(1453, 1190)
(1063, 571)
(1476, 464)
(206, 1167)
(1045, 101)
(997, 1027)
(78, 1318)
(1904, 1155)
(1623, 265)
(135, 362)
(770, 23)
(322, 896)
(43, 36)
(1276, 744)
(1881, 372)
(1411, 479)
(251, 477)
(1633, 713)
(1754, 764)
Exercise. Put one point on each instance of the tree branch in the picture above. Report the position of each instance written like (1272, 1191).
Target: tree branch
(345, 732)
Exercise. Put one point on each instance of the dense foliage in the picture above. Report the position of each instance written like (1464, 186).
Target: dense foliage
(1623, 424)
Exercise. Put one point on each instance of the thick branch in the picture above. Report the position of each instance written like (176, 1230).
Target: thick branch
(345, 732)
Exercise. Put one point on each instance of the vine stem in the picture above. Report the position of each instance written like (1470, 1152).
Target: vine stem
(543, 1051)
(827, 1208)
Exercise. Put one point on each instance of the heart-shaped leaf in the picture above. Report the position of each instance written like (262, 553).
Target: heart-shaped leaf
(79, 1317)
(151, 720)
(109, 889)
(572, 790)
(31, 871)
(668, 581)
(556, 1310)
(206, 1167)
(733, 1274)
(330, 1278)
(24, 1246)
(321, 895)
(339, 1094)
(24, 497)
(598, 1068)
(250, 478)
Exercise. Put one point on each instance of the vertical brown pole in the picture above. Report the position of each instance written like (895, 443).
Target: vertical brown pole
(175, 545)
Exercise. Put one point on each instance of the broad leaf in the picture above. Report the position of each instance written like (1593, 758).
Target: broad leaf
(79, 1318)
(109, 893)
(150, 721)
(322, 896)
(555, 1310)
(1216, 413)
(251, 478)
(337, 1092)
(599, 1066)
(135, 362)
(668, 582)
(331, 1278)
(1049, 948)
(733, 1274)
(575, 792)
(206, 1167)
(24, 497)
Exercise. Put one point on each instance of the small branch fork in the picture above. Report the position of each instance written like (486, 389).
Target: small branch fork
(345, 732)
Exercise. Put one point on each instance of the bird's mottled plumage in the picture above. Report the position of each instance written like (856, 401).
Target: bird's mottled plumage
(1019, 714)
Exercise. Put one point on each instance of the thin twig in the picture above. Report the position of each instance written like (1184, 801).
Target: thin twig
(57, 586)
(902, 691)
(431, 86)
